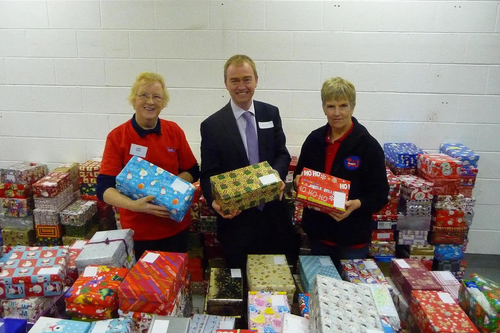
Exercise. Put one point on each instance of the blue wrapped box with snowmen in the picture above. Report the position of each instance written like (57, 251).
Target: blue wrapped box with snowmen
(140, 178)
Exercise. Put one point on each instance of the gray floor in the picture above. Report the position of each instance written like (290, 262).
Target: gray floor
(487, 265)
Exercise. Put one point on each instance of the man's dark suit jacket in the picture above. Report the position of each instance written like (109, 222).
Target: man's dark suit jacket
(222, 150)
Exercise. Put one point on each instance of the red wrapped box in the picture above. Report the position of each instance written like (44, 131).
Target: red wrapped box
(74, 251)
(445, 186)
(73, 169)
(322, 192)
(16, 207)
(153, 283)
(52, 184)
(93, 295)
(88, 172)
(416, 188)
(438, 166)
(411, 274)
(436, 311)
(448, 235)
(466, 191)
(383, 235)
(49, 231)
(19, 191)
(448, 218)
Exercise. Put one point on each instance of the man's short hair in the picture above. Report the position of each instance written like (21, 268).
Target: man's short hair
(337, 88)
(146, 78)
(238, 60)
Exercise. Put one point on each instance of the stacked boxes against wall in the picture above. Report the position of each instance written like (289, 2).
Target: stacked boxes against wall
(401, 158)
(448, 223)
(16, 202)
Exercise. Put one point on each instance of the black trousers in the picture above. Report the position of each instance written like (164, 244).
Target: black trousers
(175, 243)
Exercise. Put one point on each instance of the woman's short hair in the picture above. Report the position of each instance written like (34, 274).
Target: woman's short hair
(238, 60)
(337, 88)
(146, 78)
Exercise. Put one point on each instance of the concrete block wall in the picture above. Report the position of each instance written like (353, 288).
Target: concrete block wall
(426, 72)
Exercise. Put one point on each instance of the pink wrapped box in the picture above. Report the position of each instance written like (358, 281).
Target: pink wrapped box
(411, 274)
(266, 310)
(438, 166)
(33, 271)
(52, 184)
(415, 188)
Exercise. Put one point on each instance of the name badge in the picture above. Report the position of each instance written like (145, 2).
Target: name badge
(138, 150)
(266, 124)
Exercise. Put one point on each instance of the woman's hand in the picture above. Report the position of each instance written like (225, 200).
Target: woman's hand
(350, 206)
(296, 182)
(143, 205)
(218, 209)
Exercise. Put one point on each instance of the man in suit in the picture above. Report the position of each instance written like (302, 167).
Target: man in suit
(224, 147)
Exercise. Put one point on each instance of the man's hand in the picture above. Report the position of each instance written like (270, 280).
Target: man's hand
(218, 209)
(143, 205)
(350, 206)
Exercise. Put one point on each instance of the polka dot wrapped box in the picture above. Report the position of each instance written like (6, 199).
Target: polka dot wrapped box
(436, 311)
(139, 178)
(246, 187)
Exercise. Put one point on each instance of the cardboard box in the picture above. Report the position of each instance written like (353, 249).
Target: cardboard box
(246, 187)
(322, 192)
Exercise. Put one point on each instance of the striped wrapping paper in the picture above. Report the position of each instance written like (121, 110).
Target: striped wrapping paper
(448, 282)
(153, 283)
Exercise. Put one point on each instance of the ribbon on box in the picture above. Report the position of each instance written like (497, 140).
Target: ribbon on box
(107, 241)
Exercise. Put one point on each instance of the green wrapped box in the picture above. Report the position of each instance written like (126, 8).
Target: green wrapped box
(78, 230)
(246, 187)
(13, 237)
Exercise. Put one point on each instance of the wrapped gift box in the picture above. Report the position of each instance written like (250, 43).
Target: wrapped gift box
(310, 266)
(460, 152)
(29, 309)
(402, 155)
(87, 190)
(486, 320)
(411, 274)
(402, 305)
(94, 293)
(266, 310)
(246, 187)
(225, 292)
(383, 235)
(489, 288)
(448, 282)
(304, 305)
(393, 196)
(13, 237)
(73, 169)
(108, 248)
(412, 237)
(88, 172)
(50, 325)
(153, 283)
(75, 248)
(16, 207)
(25, 173)
(384, 224)
(449, 202)
(33, 271)
(117, 325)
(415, 188)
(141, 320)
(292, 323)
(209, 323)
(78, 231)
(162, 324)
(430, 307)
(322, 192)
(48, 241)
(78, 213)
(49, 231)
(46, 217)
(19, 191)
(448, 251)
(10, 222)
(438, 166)
(448, 218)
(52, 184)
(417, 222)
(57, 203)
(270, 273)
(448, 235)
(70, 240)
(352, 304)
(139, 178)
(415, 207)
(362, 271)
(445, 186)
(382, 248)
(385, 306)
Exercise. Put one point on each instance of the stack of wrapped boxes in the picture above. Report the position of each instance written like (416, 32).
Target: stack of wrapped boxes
(401, 158)
(76, 220)
(16, 202)
(469, 168)
(448, 223)
(73, 169)
(52, 194)
(383, 243)
(33, 278)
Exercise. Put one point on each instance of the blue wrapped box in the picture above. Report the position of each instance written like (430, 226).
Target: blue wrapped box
(11, 325)
(139, 178)
(119, 325)
(448, 251)
(403, 154)
(51, 325)
(310, 266)
(461, 153)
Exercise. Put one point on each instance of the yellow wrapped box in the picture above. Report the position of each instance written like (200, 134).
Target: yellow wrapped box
(246, 187)
(268, 272)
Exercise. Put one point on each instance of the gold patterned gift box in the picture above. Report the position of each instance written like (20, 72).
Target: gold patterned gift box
(246, 187)
(225, 292)
(270, 273)
(14, 237)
